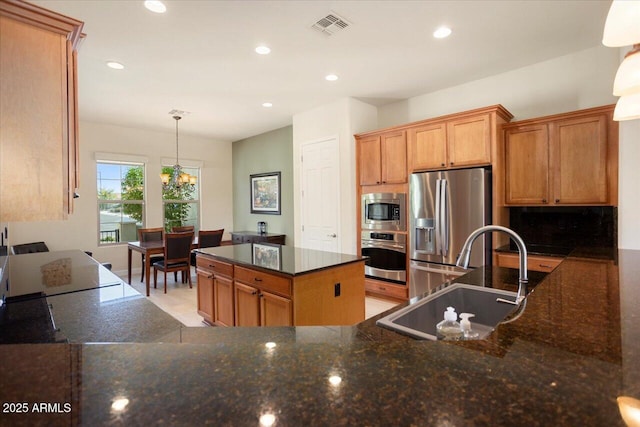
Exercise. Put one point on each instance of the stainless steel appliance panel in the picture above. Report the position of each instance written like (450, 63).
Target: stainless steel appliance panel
(445, 207)
(383, 211)
(387, 255)
(425, 277)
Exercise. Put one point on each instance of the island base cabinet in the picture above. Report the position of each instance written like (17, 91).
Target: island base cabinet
(275, 310)
(247, 305)
(330, 297)
(205, 295)
(244, 296)
(223, 297)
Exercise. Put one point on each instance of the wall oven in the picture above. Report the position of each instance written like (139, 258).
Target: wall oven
(383, 211)
(387, 256)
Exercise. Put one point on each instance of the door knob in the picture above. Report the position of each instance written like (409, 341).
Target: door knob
(332, 235)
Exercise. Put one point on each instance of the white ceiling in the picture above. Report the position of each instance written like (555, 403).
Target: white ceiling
(199, 56)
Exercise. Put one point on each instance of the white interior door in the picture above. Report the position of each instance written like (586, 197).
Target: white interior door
(320, 195)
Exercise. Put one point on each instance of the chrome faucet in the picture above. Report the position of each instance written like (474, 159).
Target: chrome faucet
(465, 254)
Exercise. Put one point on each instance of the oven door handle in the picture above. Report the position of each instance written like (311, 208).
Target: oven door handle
(383, 246)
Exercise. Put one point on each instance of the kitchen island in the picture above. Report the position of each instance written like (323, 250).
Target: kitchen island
(259, 284)
(574, 350)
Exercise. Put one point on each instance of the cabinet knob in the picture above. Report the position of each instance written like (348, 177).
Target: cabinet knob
(441, 164)
(544, 200)
(451, 163)
(257, 279)
(254, 293)
(557, 200)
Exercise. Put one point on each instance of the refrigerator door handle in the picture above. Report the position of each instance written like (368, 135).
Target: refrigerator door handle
(438, 219)
(444, 218)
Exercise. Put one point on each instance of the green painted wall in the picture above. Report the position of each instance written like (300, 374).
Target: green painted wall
(268, 152)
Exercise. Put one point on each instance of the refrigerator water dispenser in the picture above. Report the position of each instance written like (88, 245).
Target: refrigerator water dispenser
(425, 236)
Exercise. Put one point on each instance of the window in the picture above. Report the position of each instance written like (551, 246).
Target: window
(181, 206)
(120, 201)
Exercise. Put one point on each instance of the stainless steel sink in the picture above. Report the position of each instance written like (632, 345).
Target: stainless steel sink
(419, 320)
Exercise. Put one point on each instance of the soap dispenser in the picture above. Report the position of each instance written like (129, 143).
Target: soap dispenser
(465, 325)
(449, 328)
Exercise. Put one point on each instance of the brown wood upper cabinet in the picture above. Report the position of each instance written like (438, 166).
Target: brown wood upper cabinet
(566, 159)
(461, 142)
(383, 158)
(39, 112)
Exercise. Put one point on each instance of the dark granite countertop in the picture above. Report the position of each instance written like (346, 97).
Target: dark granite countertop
(283, 259)
(44, 274)
(562, 363)
(606, 253)
(88, 303)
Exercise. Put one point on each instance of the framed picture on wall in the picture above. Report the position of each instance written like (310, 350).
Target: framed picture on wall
(265, 193)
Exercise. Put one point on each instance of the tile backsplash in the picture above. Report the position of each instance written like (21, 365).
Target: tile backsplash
(568, 227)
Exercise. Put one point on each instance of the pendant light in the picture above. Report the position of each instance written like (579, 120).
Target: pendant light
(177, 179)
(622, 28)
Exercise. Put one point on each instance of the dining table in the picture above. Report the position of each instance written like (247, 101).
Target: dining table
(148, 249)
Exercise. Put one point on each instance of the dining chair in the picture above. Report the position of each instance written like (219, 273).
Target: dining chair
(177, 252)
(150, 235)
(183, 229)
(207, 239)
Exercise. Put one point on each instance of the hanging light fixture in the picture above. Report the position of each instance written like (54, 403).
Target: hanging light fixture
(177, 179)
(622, 29)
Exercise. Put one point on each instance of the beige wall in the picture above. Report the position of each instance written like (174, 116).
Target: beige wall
(268, 152)
(80, 231)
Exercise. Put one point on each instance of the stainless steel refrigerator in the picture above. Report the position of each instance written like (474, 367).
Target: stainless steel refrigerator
(445, 207)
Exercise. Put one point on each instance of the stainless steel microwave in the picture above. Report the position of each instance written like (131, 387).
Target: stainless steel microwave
(384, 211)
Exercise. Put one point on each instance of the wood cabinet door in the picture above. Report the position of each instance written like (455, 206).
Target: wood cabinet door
(275, 310)
(247, 305)
(205, 295)
(428, 147)
(469, 141)
(579, 161)
(223, 300)
(394, 157)
(527, 165)
(34, 134)
(369, 160)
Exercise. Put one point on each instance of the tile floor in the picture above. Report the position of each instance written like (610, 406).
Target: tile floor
(181, 302)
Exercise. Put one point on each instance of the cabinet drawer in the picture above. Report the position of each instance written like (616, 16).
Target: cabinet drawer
(217, 267)
(386, 289)
(545, 264)
(264, 281)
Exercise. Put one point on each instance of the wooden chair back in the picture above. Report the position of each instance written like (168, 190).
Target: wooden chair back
(183, 229)
(209, 238)
(151, 234)
(177, 248)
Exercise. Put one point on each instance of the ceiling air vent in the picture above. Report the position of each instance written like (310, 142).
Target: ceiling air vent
(330, 24)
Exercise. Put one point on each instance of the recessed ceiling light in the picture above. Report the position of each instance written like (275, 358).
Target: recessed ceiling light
(442, 32)
(331, 77)
(263, 50)
(267, 104)
(115, 65)
(155, 6)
